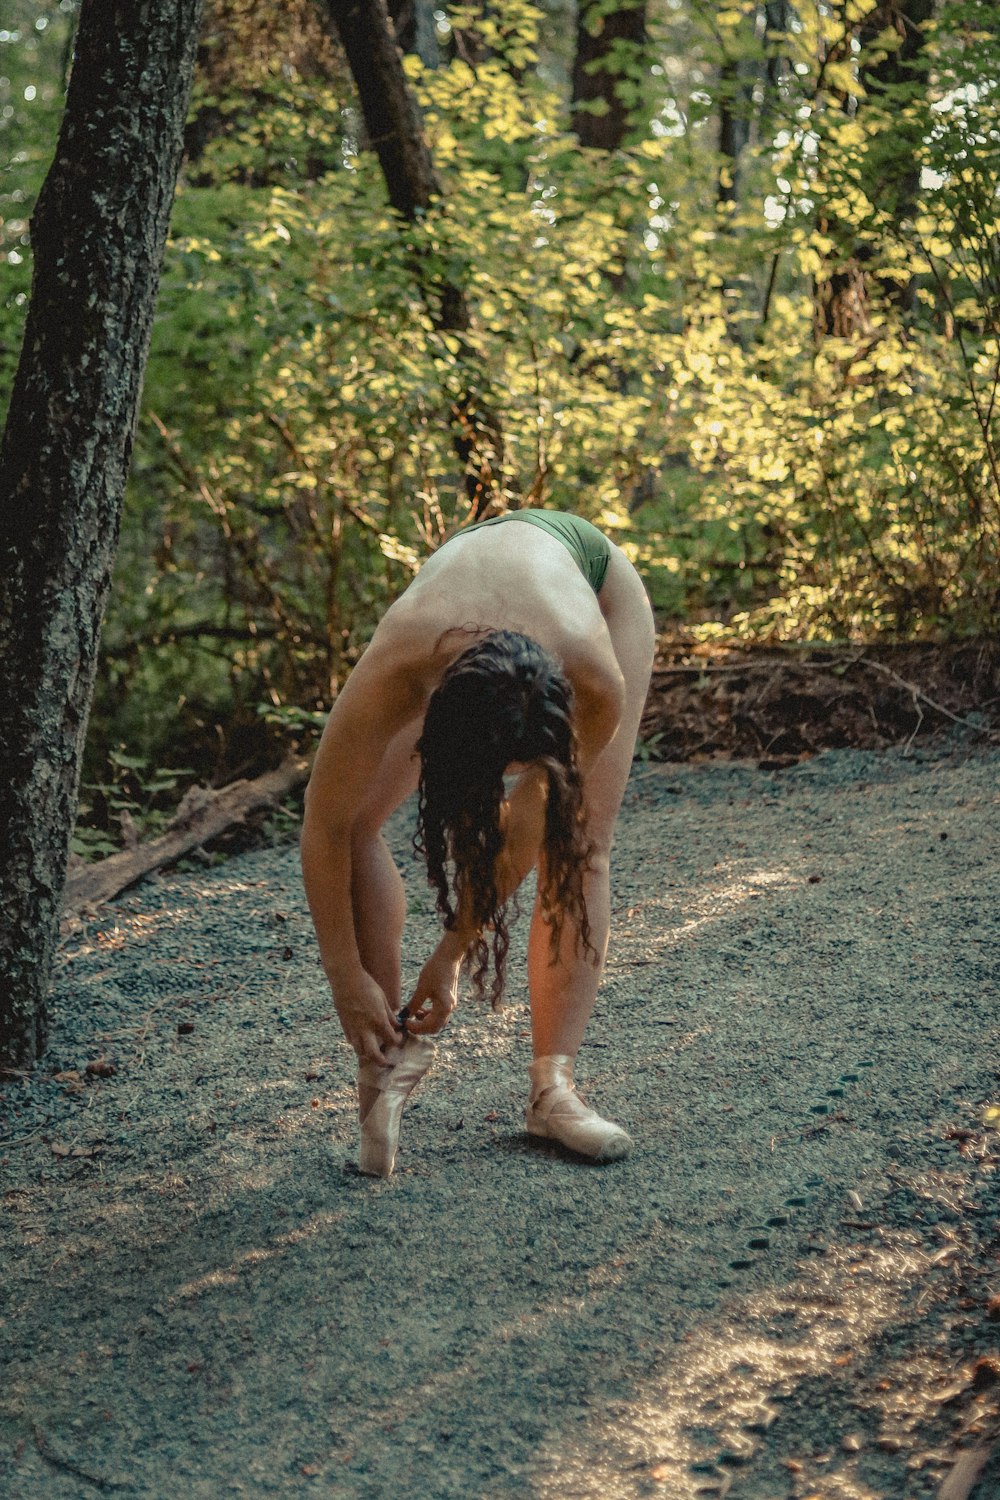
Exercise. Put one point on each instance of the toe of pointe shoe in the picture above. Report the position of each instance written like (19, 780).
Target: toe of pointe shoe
(380, 1126)
(579, 1129)
(615, 1146)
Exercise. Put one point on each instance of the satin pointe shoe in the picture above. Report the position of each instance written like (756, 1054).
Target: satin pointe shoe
(405, 1066)
(557, 1113)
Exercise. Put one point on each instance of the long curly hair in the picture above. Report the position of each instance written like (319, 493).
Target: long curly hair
(502, 700)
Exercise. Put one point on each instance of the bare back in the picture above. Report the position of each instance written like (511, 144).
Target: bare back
(510, 577)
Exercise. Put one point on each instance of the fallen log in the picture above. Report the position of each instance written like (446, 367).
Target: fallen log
(202, 815)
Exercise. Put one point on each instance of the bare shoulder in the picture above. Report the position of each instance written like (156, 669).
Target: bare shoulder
(387, 690)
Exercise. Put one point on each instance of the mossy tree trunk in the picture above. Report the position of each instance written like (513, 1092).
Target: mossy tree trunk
(98, 234)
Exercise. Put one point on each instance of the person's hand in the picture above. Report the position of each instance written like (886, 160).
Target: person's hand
(368, 1022)
(435, 995)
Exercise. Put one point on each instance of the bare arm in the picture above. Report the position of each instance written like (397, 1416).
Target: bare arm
(378, 700)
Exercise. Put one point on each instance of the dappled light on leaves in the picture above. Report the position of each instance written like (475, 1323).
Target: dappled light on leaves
(764, 357)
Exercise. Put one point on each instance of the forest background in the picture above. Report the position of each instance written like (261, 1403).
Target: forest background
(724, 278)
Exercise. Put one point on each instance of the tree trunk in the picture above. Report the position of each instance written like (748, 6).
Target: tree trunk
(735, 104)
(392, 117)
(601, 111)
(891, 176)
(98, 232)
(395, 131)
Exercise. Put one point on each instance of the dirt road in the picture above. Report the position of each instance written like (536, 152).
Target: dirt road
(784, 1292)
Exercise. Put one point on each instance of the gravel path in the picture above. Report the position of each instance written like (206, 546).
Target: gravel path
(785, 1292)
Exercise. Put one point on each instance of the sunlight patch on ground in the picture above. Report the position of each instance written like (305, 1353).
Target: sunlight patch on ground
(229, 1275)
(710, 904)
(709, 1408)
(126, 929)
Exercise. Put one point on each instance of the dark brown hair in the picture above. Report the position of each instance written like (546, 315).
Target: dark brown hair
(502, 700)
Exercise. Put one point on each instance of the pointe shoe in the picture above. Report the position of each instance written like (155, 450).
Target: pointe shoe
(556, 1112)
(405, 1066)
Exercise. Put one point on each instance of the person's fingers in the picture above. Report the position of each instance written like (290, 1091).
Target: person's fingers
(431, 1021)
(369, 1049)
(373, 1043)
(419, 997)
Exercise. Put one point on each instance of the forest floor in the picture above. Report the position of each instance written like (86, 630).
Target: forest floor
(789, 1290)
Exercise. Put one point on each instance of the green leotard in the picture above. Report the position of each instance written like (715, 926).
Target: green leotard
(589, 548)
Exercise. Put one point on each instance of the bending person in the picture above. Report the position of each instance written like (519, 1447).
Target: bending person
(522, 650)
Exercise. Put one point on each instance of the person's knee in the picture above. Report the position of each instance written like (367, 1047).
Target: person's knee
(599, 861)
(367, 839)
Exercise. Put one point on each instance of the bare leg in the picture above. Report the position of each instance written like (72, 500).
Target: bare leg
(379, 902)
(563, 987)
(563, 991)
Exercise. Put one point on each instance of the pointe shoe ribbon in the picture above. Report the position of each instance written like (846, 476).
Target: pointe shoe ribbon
(405, 1066)
(556, 1112)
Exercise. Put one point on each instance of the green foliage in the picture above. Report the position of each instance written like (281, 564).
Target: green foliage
(35, 39)
(136, 801)
(656, 358)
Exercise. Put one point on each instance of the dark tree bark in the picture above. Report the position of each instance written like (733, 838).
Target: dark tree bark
(395, 132)
(98, 233)
(777, 21)
(841, 308)
(597, 72)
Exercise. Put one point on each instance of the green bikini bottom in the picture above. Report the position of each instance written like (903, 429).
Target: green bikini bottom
(589, 548)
